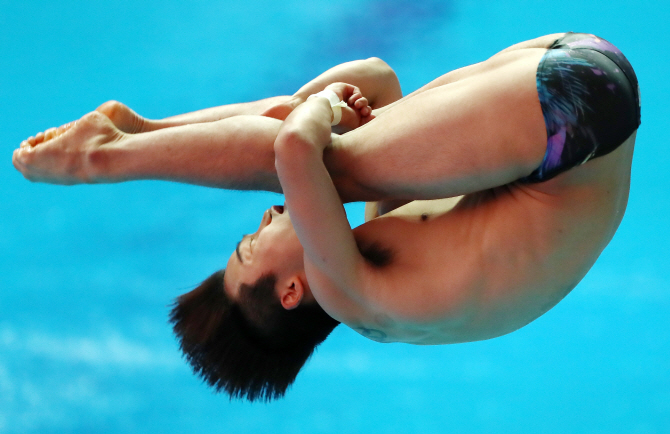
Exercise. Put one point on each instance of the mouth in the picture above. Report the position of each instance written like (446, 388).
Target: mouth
(279, 209)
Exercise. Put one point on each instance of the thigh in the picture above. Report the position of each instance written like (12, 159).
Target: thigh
(479, 132)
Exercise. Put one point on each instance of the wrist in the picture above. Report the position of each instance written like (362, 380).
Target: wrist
(335, 104)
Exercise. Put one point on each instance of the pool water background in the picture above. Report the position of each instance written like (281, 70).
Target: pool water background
(87, 272)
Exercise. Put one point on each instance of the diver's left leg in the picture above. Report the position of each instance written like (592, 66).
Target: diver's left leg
(128, 121)
(473, 134)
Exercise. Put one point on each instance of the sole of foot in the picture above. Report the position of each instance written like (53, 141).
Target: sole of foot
(67, 155)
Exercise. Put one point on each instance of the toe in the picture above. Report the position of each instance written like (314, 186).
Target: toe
(63, 128)
(21, 155)
(49, 134)
(39, 138)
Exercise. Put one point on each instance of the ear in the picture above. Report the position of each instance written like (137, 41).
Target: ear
(291, 292)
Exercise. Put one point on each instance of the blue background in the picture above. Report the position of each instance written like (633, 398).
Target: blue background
(87, 272)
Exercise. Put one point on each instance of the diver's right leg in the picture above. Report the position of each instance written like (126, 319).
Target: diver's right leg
(233, 153)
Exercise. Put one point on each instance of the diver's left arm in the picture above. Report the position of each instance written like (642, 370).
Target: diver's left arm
(314, 205)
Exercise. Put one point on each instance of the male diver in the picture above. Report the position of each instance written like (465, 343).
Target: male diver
(493, 190)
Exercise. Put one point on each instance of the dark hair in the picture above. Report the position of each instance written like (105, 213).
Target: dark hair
(253, 348)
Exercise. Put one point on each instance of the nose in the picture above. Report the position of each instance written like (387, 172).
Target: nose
(265, 220)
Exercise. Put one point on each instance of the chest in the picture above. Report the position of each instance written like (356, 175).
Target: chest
(496, 261)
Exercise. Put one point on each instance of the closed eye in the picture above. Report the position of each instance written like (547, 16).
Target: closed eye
(237, 249)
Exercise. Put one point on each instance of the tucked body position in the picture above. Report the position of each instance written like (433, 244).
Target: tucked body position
(491, 192)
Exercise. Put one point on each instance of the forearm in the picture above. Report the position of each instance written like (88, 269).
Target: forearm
(373, 77)
(316, 209)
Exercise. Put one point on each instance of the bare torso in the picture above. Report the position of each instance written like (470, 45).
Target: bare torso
(491, 261)
(487, 263)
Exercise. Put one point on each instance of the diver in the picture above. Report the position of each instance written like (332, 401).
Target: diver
(491, 192)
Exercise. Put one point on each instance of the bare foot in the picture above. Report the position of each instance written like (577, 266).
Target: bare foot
(46, 135)
(67, 155)
(120, 114)
(124, 118)
(282, 110)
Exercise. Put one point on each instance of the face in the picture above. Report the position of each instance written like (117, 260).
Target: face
(273, 248)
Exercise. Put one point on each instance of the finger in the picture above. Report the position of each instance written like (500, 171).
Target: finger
(355, 93)
(355, 97)
(349, 117)
(361, 102)
(345, 90)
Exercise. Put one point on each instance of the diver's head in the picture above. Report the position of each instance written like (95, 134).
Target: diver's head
(274, 249)
(249, 330)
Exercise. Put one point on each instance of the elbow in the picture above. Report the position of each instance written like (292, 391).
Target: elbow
(289, 140)
(291, 147)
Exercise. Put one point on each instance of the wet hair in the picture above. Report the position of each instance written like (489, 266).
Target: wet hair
(252, 348)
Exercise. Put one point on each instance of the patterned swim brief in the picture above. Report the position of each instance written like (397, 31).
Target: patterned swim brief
(590, 101)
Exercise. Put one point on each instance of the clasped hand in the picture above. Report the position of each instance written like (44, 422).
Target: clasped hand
(357, 112)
